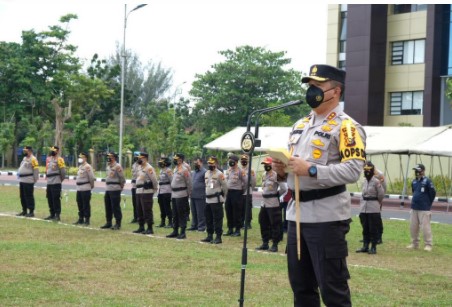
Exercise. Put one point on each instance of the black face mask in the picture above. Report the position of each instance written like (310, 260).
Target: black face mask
(211, 167)
(25, 153)
(368, 174)
(108, 160)
(315, 96)
(140, 162)
(53, 153)
(161, 165)
(267, 168)
(175, 162)
(231, 163)
(244, 163)
(197, 167)
(417, 173)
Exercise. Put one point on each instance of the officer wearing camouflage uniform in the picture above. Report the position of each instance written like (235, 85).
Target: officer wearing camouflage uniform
(216, 190)
(244, 159)
(134, 189)
(181, 186)
(28, 174)
(327, 150)
(370, 208)
(114, 181)
(85, 183)
(56, 173)
(270, 214)
(164, 193)
(146, 185)
(234, 202)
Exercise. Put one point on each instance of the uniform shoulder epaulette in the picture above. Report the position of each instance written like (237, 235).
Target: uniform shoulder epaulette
(61, 162)
(34, 162)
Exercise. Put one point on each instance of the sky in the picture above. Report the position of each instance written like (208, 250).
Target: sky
(184, 35)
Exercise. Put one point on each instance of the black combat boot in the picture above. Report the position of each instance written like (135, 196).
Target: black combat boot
(174, 234)
(236, 233)
(140, 229)
(229, 232)
(79, 222)
(116, 226)
(57, 218)
(31, 214)
(208, 239)
(182, 234)
(373, 249)
(162, 224)
(263, 247)
(106, 226)
(363, 249)
(86, 223)
(217, 240)
(274, 248)
(23, 213)
(133, 221)
(149, 231)
(50, 217)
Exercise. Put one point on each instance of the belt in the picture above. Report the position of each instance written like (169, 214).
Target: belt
(320, 193)
(112, 183)
(270, 195)
(25, 175)
(134, 181)
(179, 189)
(139, 186)
(370, 198)
(163, 183)
(212, 196)
(52, 175)
(82, 183)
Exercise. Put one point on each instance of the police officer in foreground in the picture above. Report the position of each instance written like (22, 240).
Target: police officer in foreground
(181, 186)
(327, 152)
(28, 174)
(85, 183)
(198, 197)
(55, 175)
(164, 193)
(370, 208)
(216, 190)
(134, 188)
(112, 200)
(234, 202)
(146, 185)
(270, 214)
(244, 159)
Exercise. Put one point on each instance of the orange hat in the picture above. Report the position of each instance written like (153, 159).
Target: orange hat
(267, 160)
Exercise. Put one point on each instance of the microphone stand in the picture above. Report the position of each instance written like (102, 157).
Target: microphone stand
(249, 142)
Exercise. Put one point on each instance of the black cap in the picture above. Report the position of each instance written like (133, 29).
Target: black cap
(179, 156)
(143, 155)
(112, 154)
(83, 154)
(234, 157)
(322, 73)
(419, 167)
(28, 148)
(54, 148)
(212, 160)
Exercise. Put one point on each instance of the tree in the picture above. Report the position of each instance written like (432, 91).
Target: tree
(250, 78)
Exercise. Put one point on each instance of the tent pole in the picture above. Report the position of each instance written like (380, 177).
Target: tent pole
(402, 203)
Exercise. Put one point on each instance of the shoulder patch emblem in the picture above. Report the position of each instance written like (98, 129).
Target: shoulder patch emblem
(351, 145)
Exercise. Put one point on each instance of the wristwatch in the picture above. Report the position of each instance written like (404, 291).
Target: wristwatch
(312, 170)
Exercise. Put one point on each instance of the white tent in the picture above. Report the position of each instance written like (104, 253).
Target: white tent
(439, 145)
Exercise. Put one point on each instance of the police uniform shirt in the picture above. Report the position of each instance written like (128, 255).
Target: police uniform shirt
(252, 181)
(135, 167)
(56, 170)
(28, 170)
(145, 174)
(85, 177)
(181, 180)
(215, 183)
(335, 144)
(270, 188)
(165, 178)
(371, 189)
(235, 179)
(115, 178)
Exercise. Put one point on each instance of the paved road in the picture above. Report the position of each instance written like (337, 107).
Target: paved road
(391, 208)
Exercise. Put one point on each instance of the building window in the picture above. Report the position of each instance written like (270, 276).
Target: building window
(343, 33)
(341, 65)
(409, 8)
(408, 52)
(406, 103)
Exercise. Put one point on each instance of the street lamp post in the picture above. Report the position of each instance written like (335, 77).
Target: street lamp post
(123, 68)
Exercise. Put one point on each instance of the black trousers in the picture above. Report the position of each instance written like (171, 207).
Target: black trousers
(145, 203)
(233, 208)
(112, 202)
(380, 227)
(214, 218)
(165, 207)
(180, 212)
(248, 209)
(370, 223)
(134, 202)
(27, 198)
(84, 204)
(322, 266)
(270, 222)
(53, 194)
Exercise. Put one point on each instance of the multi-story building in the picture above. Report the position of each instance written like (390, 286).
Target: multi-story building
(398, 59)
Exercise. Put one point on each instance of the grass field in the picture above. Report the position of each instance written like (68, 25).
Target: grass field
(57, 264)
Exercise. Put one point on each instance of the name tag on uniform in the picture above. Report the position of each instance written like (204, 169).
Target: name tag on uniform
(422, 190)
